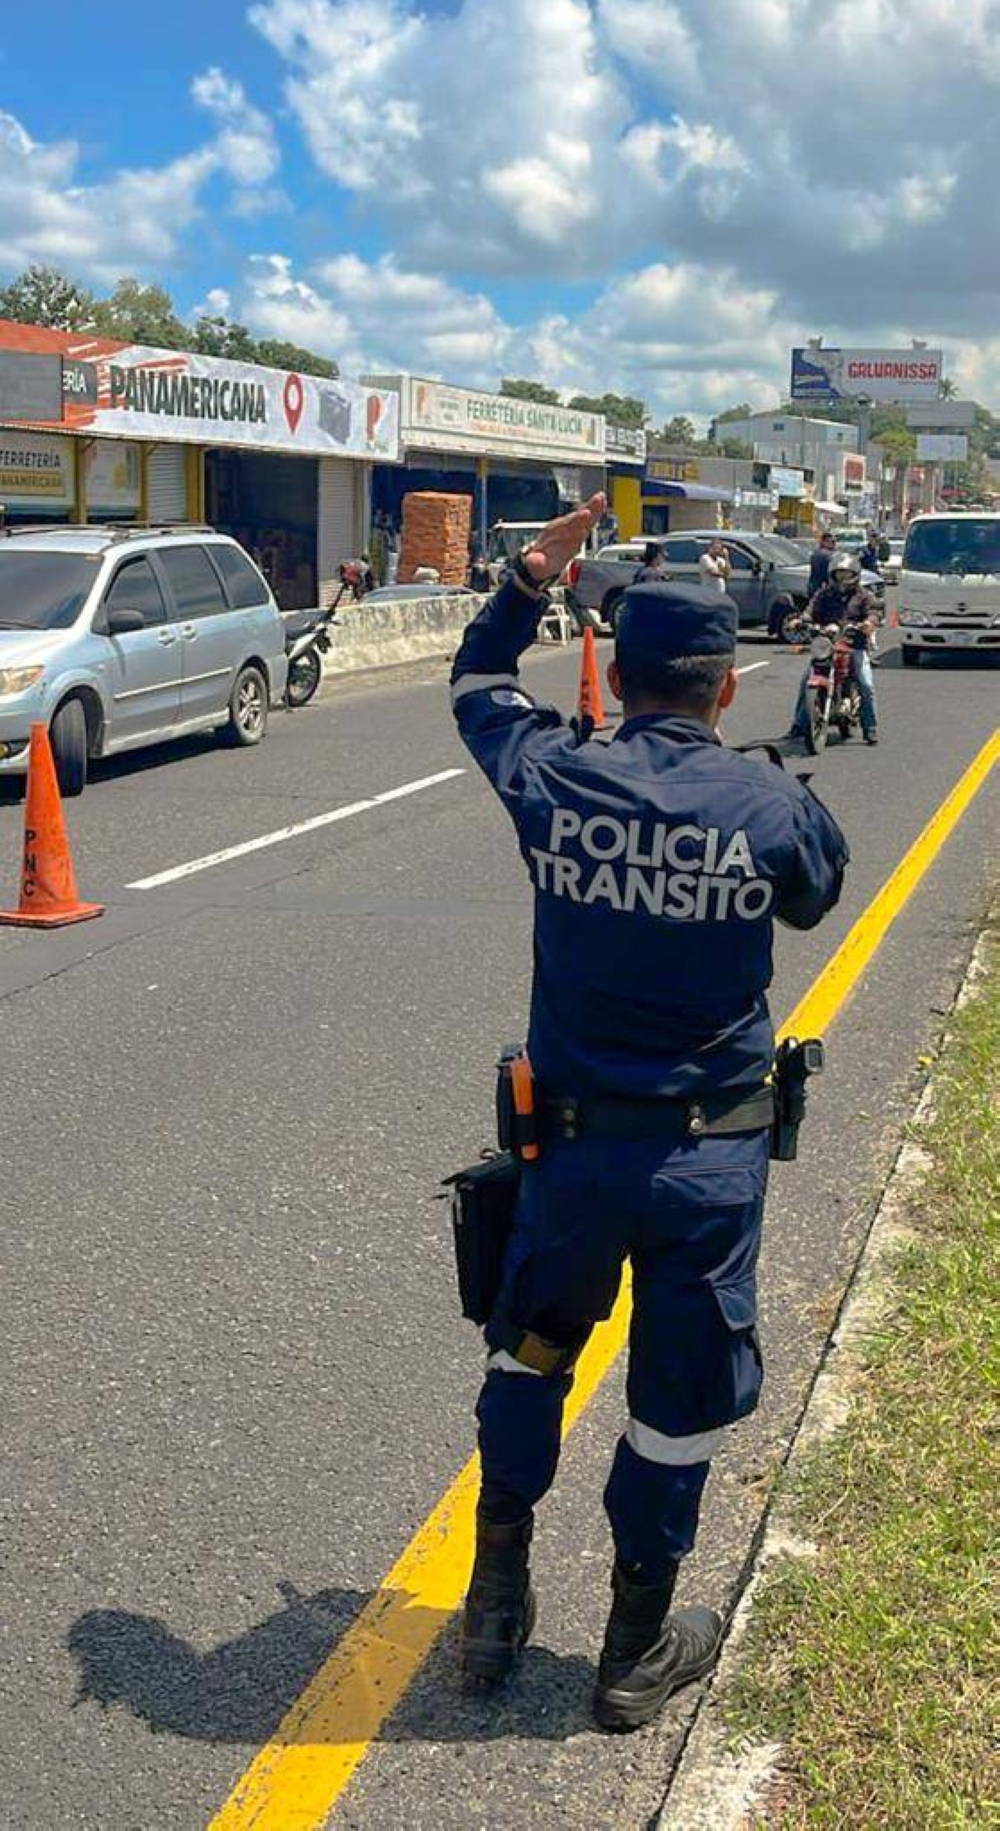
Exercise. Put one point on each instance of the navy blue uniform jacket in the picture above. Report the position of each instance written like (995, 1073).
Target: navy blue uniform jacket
(660, 861)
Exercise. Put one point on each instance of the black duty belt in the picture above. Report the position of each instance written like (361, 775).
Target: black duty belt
(708, 1116)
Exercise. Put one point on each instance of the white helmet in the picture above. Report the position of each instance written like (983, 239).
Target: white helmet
(846, 563)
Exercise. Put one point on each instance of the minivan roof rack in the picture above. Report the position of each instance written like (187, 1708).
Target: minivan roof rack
(114, 531)
(136, 529)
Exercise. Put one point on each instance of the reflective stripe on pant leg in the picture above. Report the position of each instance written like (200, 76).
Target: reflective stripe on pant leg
(677, 1452)
(653, 1508)
(502, 1362)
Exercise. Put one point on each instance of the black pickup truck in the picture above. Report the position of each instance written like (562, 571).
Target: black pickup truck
(768, 578)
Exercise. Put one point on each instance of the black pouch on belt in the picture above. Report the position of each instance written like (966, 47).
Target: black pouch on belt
(483, 1204)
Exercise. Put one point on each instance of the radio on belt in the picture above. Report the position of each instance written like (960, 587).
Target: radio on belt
(794, 1064)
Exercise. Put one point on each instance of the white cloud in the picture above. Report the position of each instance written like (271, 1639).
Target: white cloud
(279, 305)
(670, 334)
(136, 219)
(95, 231)
(245, 146)
(377, 315)
(840, 152)
(482, 135)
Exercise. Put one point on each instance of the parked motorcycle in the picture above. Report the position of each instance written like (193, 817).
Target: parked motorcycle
(832, 696)
(307, 635)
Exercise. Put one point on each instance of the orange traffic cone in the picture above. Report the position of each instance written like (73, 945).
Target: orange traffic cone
(49, 896)
(591, 703)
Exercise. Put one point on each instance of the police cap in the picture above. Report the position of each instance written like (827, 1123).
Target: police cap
(663, 621)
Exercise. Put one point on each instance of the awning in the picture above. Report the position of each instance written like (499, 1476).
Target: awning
(830, 508)
(692, 492)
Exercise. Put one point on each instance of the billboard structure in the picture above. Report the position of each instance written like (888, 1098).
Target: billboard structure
(943, 416)
(869, 375)
(943, 447)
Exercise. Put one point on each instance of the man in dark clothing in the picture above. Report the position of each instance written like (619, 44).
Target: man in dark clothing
(819, 565)
(660, 861)
(654, 565)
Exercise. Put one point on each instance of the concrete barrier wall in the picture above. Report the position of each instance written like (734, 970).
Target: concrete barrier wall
(376, 635)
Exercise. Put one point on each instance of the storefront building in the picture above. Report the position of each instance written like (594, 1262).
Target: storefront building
(683, 490)
(677, 495)
(96, 430)
(625, 448)
(519, 460)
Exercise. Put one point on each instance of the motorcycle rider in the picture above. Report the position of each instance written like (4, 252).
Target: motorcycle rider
(844, 601)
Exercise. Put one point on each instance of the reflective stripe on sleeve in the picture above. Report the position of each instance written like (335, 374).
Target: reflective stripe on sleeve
(655, 1446)
(481, 683)
(502, 1362)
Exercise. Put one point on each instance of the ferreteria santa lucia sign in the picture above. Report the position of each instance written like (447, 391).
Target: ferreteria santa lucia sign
(440, 418)
(874, 375)
(128, 391)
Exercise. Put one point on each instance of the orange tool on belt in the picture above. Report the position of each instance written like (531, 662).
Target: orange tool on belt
(522, 1083)
(517, 1120)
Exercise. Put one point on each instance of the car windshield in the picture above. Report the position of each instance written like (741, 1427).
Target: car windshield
(41, 590)
(953, 546)
(775, 547)
(506, 541)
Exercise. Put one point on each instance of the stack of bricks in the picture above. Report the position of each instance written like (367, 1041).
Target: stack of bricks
(436, 531)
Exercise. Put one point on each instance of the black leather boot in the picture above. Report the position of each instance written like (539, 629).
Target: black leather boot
(649, 1653)
(500, 1607)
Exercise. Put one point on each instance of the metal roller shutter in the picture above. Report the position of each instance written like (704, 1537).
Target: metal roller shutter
(339, 534)
(166, 484)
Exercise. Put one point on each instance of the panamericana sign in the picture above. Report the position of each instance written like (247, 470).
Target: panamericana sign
(128, 391)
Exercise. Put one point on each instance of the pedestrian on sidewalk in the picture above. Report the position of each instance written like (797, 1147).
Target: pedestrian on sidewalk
(660, 862)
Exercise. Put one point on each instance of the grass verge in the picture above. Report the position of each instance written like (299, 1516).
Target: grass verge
(876, 1663)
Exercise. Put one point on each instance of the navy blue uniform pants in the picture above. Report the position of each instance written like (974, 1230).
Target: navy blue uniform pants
(689, 1219)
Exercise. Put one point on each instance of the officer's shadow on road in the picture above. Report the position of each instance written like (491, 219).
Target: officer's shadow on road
(242, 1690)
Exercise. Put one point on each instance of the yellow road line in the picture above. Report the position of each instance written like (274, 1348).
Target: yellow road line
(827, 994)
(297, 1778)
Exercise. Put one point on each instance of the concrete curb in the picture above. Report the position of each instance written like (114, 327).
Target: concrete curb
(390, 632)
(715, 1787)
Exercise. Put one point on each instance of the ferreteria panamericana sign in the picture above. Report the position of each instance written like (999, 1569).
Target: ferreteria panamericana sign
(128, 391)
(440, 418)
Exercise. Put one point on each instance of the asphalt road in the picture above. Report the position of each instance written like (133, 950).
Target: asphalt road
(234, 1379)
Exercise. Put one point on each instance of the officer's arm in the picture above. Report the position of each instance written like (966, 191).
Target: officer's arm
(498, 721)
(819, 857)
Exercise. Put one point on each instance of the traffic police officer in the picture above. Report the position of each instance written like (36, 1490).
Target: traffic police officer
(660, 861)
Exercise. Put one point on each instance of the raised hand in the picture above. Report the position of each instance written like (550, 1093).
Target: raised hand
(562, 539)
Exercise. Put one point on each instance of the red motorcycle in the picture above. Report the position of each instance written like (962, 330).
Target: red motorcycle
(832, 695)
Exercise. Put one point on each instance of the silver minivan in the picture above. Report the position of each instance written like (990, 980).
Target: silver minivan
(121, 637)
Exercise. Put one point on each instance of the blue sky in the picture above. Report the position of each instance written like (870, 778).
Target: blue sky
(629, 194)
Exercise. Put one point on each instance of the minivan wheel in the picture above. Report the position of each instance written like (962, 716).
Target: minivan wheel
(247, 708)
(68, 736)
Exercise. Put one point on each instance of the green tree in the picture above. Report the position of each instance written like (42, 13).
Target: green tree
(530, 391)
(43, 295)
(898, 443)
(618, 409)
(141, 314)
(275, 353)
(217, 337)
(681, 431)
(742, 411)
(732, 448)
(949, 389)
